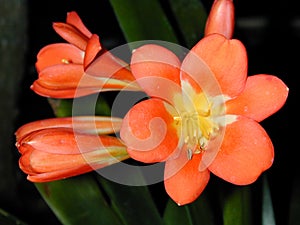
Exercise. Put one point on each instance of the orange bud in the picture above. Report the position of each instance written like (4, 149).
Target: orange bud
(221, 18)
(56, 153)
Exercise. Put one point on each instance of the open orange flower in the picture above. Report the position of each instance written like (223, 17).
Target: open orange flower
(80, 67)
(203, 113)
(58, 148)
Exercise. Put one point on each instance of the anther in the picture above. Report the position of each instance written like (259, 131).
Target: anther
(65, 61)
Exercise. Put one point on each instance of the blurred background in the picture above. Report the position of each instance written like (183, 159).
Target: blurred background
(269, 29)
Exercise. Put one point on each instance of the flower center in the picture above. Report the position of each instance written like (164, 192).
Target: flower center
(195, 120)
(196, 130)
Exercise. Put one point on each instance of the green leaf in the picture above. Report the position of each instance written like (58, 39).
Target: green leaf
(61, 107)
(198, 212)
(191, 18)
(77, 201)
(237, 207)
(8, 219)
(102, 107)
(64, 107)
(267, 205)
(175, 214)
(143, 20)
(134, 204)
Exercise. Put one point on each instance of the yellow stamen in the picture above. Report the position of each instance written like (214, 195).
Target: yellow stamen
(65, 61)
(194, 121)
(195, 130)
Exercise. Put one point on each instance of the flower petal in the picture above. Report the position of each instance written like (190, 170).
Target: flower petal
(64, 93)
(156, 69)
(221, 18)
(81, 89)
(74, 20)
(107, 65)
(183, 180)
(42, 162)
(65, 141)
(198, 75)
(92, 49)
(148, 131)
(84, 124)
(227, 59)
(43, 166)
(61, 76)
(245, 153)
(72, 76)
(74, 171)
(263, 96)
(58, 174)
(60, 53)
(71, 34)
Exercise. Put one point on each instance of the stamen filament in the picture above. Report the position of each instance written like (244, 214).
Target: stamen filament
(196, 130)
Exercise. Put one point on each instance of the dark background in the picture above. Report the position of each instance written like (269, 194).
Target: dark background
(270, 31)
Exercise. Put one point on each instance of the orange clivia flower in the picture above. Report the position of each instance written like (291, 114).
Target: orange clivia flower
(203, 113)
(80, 67)
(59, 148)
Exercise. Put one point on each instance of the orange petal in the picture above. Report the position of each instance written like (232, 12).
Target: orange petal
(96, 124)
(116, 85)
(59, 174)
(72, 76)
(74, 20)
(60, 53)
(43, 162)
(71, 35)
(227, 59)
(43, 166)
(263, 96)
(243, 155)
(197, 73)
(73, 171)
(84, 124)
(41, 140)
(155, 68)
(63, 93)
(183, 180)
(107, 65)
(87, 86)
(61, 76)
(65, 141)
(148, 132)
(221, 18)
(92, 49)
